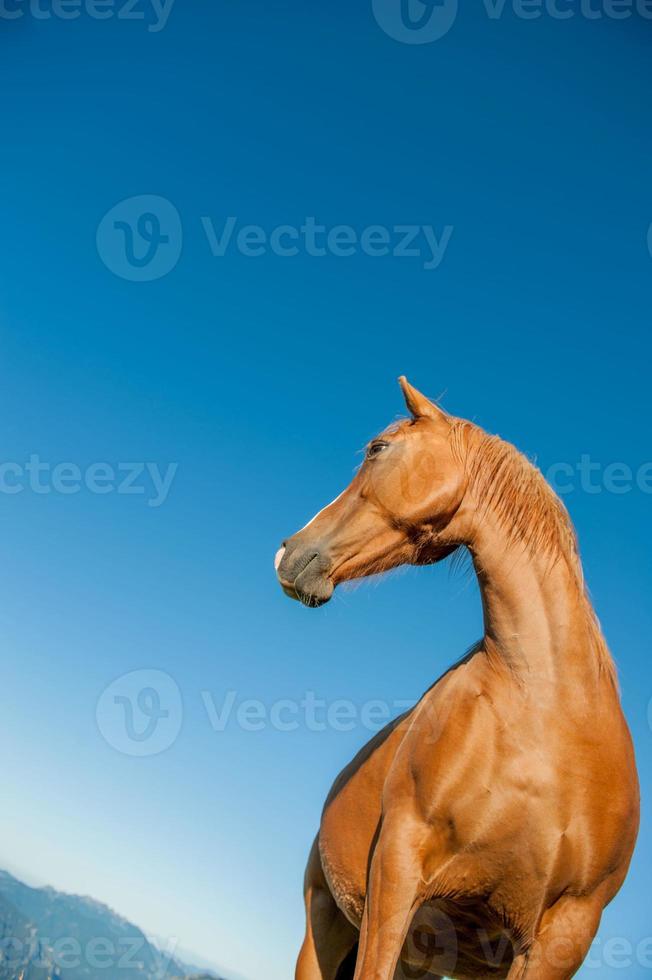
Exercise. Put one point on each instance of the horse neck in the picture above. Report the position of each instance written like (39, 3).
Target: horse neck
(534, 614)
(537, 616)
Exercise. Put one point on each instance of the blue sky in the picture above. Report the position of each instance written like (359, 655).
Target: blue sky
(261, 377)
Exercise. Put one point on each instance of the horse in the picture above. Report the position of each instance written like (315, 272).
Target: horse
(480, 835)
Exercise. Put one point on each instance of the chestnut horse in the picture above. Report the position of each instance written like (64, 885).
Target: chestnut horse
(481, 834)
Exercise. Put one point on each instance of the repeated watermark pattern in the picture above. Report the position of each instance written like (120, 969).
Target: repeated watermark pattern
(342, 241)
(591, 476)
(431, 944)
(97, 953)
(309, 713)
(415, 21)
(141, 239)
(425, 21)
(432, 948)
(152, 482)
(141, 713)
(146, 480)
(154, 14)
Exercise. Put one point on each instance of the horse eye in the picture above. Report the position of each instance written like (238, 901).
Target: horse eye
(375, 449)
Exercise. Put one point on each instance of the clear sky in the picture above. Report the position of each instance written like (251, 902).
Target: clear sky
(524, 148)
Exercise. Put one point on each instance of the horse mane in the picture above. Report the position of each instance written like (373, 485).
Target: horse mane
(504, 481)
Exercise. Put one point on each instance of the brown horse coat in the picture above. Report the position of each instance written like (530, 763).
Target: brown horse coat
(480, 835)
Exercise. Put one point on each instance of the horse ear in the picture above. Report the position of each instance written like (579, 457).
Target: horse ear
(418, 405)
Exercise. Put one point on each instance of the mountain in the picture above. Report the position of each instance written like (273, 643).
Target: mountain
(49, 935)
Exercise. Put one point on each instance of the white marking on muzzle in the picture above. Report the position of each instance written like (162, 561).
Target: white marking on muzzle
(312, 519)
(278, 558)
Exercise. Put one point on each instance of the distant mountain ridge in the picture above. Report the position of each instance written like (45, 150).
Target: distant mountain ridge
(50, 935)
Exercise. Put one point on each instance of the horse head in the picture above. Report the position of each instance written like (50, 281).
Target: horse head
(402, 507)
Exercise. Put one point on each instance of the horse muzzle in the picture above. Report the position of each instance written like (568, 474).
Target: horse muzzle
(303, 573)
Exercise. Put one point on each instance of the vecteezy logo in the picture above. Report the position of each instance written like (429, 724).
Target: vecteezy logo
(415, 21)
(140, 238)
(140, 713)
